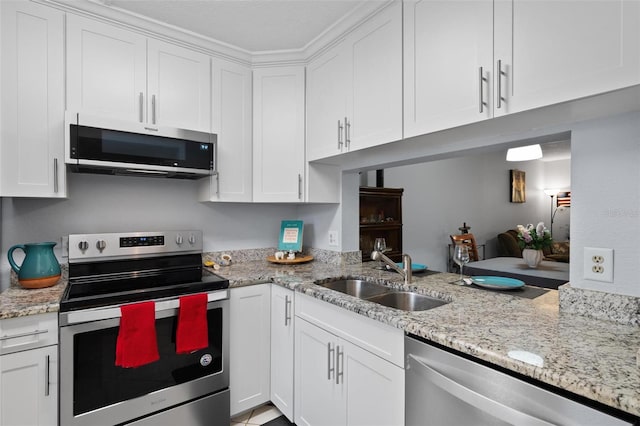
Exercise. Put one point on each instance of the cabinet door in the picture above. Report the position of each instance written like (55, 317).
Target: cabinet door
(374, 388)
(326, 103)
(32, 121)
(29, 387)
(106, 70)
(282, 329)
(179, 82)
(231, 95)
(278, 134)
(319, 400)
(446, 43)
(249, 347)
(555, 51)
(375, 81)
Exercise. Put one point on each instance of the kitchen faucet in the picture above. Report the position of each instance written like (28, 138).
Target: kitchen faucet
(405, 271)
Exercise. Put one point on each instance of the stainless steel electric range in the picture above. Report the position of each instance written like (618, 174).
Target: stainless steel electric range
(107, 271)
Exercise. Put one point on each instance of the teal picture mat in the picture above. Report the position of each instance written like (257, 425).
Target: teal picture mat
(287, 228)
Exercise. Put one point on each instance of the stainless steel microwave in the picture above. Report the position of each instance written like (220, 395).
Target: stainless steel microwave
(99, 145)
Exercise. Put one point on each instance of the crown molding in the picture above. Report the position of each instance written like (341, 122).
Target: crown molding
(95, 9)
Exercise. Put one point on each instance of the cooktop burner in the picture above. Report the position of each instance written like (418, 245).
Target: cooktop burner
(113, 269)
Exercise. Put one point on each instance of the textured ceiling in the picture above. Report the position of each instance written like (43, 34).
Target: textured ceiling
(252, 25)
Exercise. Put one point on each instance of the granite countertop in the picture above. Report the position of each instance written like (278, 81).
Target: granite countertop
(592, 358)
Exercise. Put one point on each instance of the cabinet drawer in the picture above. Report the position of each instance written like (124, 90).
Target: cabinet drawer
(29, 332)
(380, 339)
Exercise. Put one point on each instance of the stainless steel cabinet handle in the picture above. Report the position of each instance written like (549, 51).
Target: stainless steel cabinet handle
(347, 134)
(481, 82)
(340, 127)
(55, 175)
(339, 364)
(153, 109)
(46, 375)
(287, 310)
(217, 176)
(481, 402)
(29, 333)
(499, 75)
(330, 369)
(299, 186)
(141, 106)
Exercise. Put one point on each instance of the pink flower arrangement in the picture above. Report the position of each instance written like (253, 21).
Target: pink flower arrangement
(532, 237)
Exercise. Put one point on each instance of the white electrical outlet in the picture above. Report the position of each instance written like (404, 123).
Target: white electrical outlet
(333, 238)
(598, 264)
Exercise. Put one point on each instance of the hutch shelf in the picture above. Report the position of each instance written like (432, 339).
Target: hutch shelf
(381, 216)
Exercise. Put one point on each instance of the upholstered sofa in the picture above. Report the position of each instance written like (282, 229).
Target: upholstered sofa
(508, 246)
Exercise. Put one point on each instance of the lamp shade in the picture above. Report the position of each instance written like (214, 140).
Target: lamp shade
(524, 153)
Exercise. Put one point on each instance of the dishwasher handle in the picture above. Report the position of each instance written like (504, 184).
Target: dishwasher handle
(481, 402)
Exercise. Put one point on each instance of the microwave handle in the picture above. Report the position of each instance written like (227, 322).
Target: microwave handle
(97, 314)
(215, 156)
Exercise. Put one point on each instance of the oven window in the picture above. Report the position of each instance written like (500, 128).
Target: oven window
(97, 382)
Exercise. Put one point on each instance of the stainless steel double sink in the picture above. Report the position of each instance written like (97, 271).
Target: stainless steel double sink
(377, 293)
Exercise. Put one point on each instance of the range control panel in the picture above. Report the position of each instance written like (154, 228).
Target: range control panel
(143, 241)
(89, 247)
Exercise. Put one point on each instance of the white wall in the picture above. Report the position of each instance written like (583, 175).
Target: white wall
(113, 203)
(440, 195)
(605, 209)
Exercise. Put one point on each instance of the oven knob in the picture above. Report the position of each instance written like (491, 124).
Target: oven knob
(83, 245)
(179, 239)
(192, 239)
(101, 244)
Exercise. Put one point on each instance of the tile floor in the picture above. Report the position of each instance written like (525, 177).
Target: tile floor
(257, 416)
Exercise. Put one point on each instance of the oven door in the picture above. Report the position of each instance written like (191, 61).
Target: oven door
(93, 391)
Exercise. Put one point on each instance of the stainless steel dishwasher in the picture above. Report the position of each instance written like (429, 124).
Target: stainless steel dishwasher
(444, 388)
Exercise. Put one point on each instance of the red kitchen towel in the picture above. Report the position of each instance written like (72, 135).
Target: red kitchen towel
(137, 344)
(192, 333)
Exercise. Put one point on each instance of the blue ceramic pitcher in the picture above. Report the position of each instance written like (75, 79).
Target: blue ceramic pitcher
(40, 268)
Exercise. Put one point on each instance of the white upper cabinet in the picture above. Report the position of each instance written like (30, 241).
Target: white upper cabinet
(354, 89)
(374, 105)
(447, 45)
(32, 87)
(106, 70)
(179, 87)
(113, 72)
(560, 50)
(232, 123)
(466, 61)
(326, 103)
(278, 134)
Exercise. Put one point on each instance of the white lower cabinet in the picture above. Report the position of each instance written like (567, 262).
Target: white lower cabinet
(282, 349)
(249, 347)
(337, 381)
(29, 371)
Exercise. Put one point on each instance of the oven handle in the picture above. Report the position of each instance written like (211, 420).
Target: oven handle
(97, 314)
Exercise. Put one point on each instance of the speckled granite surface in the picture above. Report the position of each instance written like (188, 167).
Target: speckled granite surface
(590, 357)
(19, 302)
(599, 305)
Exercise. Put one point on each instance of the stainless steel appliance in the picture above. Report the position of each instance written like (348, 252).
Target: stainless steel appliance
(107, 146)
(446, 388)
(109, 270)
